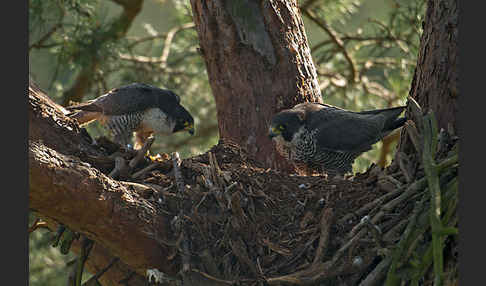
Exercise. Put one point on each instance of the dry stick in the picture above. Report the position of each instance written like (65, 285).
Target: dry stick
(414, 135)
(319, 271)
(402, 164)
(392, 278)
(391, 235)
(375, 232)
(181, 189)
(120, 165)
(326, 220)
(409, 191)
(145, 170)
(377, 274)
(209, 262)
(371, 205)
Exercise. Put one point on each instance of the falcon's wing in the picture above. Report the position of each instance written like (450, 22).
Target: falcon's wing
(341, 130)
(131, 98)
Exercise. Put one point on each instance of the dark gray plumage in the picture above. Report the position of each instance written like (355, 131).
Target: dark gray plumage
(139, 108)
(323, 137)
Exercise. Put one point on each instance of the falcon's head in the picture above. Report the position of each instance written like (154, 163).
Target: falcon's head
(286, 123)
(169, 103)
(183, 120)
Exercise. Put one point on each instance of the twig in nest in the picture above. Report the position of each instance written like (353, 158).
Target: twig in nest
(401, 245)
(176, 160)
(181, 189)
(215, 170)
(395, 232)
(142, 152)
(375, 231)
(409, 191)
(121, 167)
(404, 165)
(325, 225)
(212, 278)
(376, 203)
(209, 263)
(145, 170)
(414, 136)
(377, 274)
(238, 247)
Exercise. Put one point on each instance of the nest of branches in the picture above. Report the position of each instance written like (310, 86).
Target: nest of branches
(233, 222)
(236, 223)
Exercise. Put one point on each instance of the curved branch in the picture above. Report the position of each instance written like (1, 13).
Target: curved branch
(353, 76)
(67, 190)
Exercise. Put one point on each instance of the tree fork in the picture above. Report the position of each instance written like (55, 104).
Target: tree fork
(264, 66)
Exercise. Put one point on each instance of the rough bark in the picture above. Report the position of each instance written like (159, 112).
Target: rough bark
(258, 62)
(435, 83)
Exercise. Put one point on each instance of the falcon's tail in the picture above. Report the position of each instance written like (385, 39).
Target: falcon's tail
(391, 114)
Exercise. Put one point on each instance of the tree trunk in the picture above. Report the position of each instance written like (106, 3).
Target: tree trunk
(258, 63)
(435, 85)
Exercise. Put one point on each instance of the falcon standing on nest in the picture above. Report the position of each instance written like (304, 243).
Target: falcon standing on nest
(321, 137)
(139, 108)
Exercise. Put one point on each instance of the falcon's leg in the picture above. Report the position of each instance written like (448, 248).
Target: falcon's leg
(122, 128)
(141, 138)
(124, 139)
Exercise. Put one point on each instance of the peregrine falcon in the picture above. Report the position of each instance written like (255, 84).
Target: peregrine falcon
(321, 137)
(139, 108)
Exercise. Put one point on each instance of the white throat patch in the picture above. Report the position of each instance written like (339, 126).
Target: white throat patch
(157, 121)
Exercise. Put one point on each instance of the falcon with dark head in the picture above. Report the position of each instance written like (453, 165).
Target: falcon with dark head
(321, 137)
(136, 108)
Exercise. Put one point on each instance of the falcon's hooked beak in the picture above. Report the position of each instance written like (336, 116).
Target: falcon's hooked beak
(189, 127)
(273, 132)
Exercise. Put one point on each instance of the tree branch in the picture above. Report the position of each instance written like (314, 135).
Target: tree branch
(109, 212)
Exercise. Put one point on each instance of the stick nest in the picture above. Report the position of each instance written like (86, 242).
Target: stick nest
(234, 221)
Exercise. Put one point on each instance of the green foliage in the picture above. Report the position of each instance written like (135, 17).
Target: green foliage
(47, 266)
